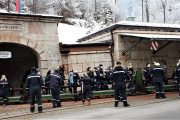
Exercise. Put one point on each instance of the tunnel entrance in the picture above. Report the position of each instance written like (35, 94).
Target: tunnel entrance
(22, 58)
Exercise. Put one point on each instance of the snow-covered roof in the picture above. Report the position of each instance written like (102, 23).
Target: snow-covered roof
(13, 13)
(148, 24)
(152, 36)
(30, 17)
(69, 34)
(130, 23)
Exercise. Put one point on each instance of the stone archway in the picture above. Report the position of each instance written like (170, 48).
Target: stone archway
(28, 43)
(24, 56)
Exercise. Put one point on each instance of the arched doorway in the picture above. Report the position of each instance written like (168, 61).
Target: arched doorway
(22, 59)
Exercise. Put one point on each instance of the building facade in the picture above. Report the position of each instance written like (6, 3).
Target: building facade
(78, 57)
(131, 43)
(31, 40)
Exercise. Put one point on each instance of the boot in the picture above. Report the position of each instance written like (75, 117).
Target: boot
(83, 101)
(5, 102)
(40, 109)
(75, 98)
(88, 102)
(132, 91)
(54, 103)
(32, 108)
(58, 103)
(157, 95)
(163, 95)
(116, 104)
(125, 104)
(120, 99)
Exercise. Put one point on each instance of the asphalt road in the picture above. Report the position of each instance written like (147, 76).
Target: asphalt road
(169, 110)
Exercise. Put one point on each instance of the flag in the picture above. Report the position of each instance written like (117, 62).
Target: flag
(154, 45)
(19, 6)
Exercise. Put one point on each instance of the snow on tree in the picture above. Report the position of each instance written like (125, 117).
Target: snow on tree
(96, 14)
(158, 10)
(8, 5)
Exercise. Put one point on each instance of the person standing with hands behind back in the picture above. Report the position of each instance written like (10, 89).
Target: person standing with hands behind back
(54, 81)
(34, 83)
(158, 77)
(119, 77)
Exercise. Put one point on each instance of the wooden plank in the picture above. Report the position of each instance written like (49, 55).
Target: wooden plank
(16, 99)
(165, 87)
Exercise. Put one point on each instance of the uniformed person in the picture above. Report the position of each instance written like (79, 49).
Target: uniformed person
(86, 88)
(46, 88)
(158, 77)
(54, 81)
(119, 77)
(4, 89)
(61, 73)
(177, 75)
(101, 79)
(131, 84)
(96, 84)
(73, 83)
(108, 73)
(34, 83)
(90, 74)
(147, 74)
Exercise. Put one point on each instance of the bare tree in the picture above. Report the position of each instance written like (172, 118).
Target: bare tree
(147, 11)
(8, 5)
(95, 10)
(142, 7)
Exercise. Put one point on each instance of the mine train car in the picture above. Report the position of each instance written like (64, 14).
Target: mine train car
(19, 95)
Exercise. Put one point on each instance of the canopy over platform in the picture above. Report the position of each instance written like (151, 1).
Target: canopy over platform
(157, 37)
(154, 36)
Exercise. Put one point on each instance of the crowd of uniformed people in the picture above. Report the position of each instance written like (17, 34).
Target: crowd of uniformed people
(97, 79)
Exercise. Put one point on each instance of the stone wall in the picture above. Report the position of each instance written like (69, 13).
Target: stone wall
(41, 37)
(141, 53)
(80, 61)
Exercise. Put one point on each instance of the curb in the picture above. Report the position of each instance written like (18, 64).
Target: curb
(53, 109)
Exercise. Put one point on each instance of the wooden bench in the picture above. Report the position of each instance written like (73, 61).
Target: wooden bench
(165, 87)
(17, 99)
(15, 90)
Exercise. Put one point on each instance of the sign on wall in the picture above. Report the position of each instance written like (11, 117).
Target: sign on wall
(5, 54)
(4, 26)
